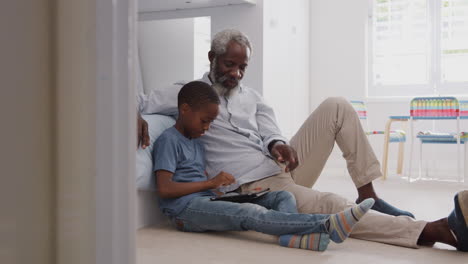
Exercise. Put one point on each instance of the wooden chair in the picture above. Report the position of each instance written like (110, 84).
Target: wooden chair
(391, 136)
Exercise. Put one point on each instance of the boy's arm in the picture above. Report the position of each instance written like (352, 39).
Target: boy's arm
(171, 189)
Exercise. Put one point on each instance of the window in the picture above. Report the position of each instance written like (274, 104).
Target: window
(418, 47)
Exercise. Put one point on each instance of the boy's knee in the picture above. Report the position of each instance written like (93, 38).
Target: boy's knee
(253, 209)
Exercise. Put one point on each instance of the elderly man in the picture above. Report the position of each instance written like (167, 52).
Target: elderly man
(245, 141)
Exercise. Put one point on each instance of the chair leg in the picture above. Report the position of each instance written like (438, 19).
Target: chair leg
(401, 155)
(420, 160)
(459, 173)
(458, 151)
(411, 151)
(401, 152)
(385, 149)
(465, 164)
(427, 168)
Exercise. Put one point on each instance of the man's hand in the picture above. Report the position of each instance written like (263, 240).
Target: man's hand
(222, 179)
(143, 138)
(285, 154)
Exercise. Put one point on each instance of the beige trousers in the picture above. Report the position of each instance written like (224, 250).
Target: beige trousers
(336, 121)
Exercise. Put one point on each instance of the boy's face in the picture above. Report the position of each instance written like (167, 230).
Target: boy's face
(196, 122)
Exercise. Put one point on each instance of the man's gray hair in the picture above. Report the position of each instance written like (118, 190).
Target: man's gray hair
(221, 40)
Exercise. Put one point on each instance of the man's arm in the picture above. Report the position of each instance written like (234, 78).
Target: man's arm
(157, 102)
(171, 189)
(161, 101)
(274, 143)
(143, 138)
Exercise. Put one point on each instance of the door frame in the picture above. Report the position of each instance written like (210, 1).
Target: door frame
(115, 190)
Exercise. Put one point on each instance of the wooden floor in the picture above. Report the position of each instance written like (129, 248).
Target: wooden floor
(427, 200)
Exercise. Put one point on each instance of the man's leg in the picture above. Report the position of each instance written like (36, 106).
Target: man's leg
(335, 120)
(374, 226)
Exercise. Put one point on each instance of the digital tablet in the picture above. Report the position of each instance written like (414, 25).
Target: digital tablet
(240, 197)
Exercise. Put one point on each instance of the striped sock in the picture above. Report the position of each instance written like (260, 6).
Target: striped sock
(314, 241)
(341, 224)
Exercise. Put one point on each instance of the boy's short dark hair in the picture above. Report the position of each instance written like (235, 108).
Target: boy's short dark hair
(196, 94)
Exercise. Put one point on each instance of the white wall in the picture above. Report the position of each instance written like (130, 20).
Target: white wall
(339, 68)
(166, 51)
(202, 45)
(26, 105)
(338, 49)
(247, 18)
(279, 67)
(285, 61)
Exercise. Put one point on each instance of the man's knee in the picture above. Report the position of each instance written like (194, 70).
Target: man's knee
(312, 201)
(338, 104)
(333, 203)
(339, 100)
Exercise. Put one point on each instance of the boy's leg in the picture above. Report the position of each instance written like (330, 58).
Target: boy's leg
(285, 202)
(281, 201)
(374, 226)
(201, 215)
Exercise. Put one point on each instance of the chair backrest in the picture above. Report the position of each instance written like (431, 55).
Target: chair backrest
(463, 109)
(434, 108)
(360, 108)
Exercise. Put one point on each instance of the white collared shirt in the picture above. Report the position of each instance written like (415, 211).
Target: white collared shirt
(237, 141)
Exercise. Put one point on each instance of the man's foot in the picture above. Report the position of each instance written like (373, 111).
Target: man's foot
(341, 224)
(437, 231)
(315, 241)
(458, 220)
(386, 208)
(367, 191)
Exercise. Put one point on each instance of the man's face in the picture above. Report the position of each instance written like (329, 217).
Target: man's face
(229, 68)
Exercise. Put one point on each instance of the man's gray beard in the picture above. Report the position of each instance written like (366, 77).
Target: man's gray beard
(222, 91)
(218, 86)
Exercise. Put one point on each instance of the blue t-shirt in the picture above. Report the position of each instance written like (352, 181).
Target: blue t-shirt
(186, 159)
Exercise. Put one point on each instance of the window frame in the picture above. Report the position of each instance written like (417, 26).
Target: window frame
(435, 86)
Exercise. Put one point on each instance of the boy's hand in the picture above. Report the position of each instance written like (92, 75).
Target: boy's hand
(222, 179)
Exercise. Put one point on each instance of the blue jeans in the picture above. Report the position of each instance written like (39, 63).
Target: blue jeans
(274, 213)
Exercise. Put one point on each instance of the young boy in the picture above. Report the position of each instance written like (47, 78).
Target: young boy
(185, 191)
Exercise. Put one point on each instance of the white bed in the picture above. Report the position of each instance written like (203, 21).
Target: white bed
(147, 204)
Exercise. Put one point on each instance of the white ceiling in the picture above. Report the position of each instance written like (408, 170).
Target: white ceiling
(165, 5)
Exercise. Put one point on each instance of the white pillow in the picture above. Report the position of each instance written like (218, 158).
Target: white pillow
(144, 157)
